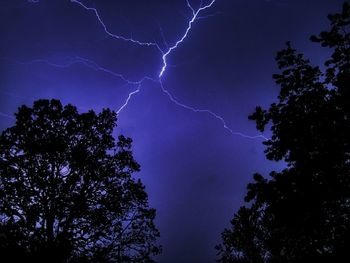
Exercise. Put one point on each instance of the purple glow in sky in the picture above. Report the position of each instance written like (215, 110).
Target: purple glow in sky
(183, 77)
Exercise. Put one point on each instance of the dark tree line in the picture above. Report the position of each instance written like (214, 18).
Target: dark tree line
(67, 192)
(302, 213)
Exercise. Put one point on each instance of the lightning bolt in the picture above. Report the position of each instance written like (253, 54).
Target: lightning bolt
(165, 65)
(196, 15)
(128, 98)
(172, 48)
(94, 66)
(218, 117)
(128, 39)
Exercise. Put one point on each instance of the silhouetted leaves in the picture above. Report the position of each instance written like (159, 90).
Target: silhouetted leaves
(67, 194)
(303, 212)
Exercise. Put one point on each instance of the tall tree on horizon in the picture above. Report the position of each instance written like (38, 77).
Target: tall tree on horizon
(66, 190)
(302, 212)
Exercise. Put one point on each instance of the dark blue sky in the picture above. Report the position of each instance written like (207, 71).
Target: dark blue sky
(194, 169)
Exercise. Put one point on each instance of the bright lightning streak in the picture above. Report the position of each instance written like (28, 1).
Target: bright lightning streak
(221, 119)
(111, 34)
(130, 95)
(195, 14)
(165, 65)
(93, 65)
(128, 98)
(138, 83)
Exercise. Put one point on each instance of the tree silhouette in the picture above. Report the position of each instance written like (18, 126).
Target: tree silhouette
(66, 191)
(303, 212)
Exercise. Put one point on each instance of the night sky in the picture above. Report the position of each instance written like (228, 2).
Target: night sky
(195, 170)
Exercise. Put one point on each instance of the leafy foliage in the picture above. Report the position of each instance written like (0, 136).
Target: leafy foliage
(67, 194)
(304, 210)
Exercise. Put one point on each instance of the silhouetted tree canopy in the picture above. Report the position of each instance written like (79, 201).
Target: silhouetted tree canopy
(66, 190)
(302, 212)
